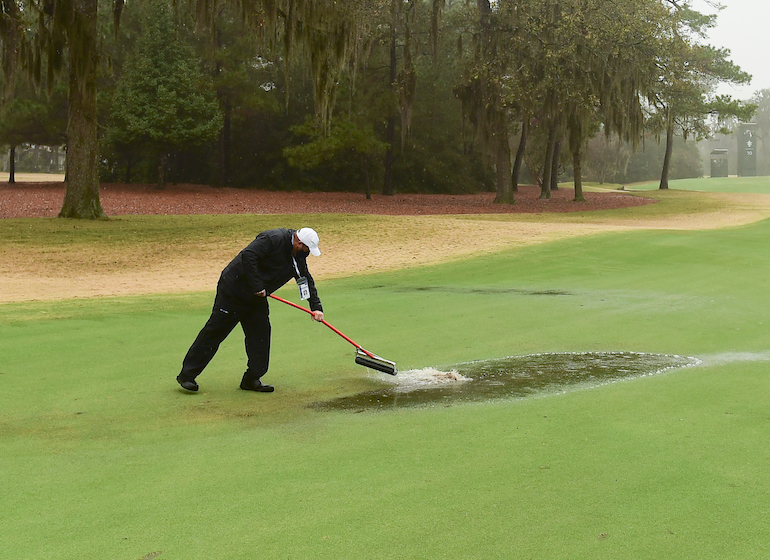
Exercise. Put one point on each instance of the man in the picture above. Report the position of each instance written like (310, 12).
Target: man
(271, 260)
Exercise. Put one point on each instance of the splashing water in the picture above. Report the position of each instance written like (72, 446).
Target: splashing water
(426, 377)
(730, 357)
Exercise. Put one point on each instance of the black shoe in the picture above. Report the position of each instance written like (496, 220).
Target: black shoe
(256, 385)
(188, 385)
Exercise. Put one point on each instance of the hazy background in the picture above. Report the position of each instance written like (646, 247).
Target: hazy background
(742, 28)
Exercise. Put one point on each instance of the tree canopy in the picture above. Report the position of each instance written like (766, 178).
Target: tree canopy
(424, 94)
(689, 71)
(162, 102)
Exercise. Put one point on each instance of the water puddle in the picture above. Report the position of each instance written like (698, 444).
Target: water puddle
(508, 378)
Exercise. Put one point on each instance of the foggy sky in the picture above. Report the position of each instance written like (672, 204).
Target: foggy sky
(743, 26)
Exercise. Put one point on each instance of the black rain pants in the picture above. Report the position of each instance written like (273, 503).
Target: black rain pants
(225, 315)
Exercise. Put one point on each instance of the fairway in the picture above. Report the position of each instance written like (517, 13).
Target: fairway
(104, 457)
(757, 185)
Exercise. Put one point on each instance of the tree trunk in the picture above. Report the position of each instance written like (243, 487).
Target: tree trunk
(519, 161)
(577, 168)
(503, 166)
(224, 145)
(162, 161)
(81, 199)
(495, 114)
(390, 139)
(545, 186)
(390, 134)
(667, 158)
(555, 166)
(12, 165)
(129, 162)
(485, 15)
(365, 167)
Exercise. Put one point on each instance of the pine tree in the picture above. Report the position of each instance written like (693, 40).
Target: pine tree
(162, 101)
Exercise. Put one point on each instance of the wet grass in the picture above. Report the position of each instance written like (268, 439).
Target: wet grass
(671, 203)
(104, 457)
(757, 185)
(514, 377)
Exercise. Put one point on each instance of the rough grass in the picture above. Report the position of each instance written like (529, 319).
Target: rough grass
(44, 259)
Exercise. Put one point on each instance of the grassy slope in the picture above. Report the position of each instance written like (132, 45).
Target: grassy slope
(104, 458)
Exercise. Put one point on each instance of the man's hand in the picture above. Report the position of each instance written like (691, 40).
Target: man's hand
(263, 293)
(318, 316)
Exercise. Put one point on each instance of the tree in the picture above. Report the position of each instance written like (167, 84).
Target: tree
(544, 49)
(482, 92)
(689, 73)
(11, 27)
(68, 28)
(611, 65)
(577, 63)
(345, 139)
(403, 83)
(30, 118)
(162, 101)
(239, 63)
(607, 157)
(390, 130)
(761, 99)
(645, 164)
(81, 199)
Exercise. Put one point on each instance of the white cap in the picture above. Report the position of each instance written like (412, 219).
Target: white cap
(309, 237)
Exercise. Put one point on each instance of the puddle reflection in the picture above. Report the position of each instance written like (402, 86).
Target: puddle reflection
(508, 378)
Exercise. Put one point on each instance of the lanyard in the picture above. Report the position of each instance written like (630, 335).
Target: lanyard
(302, 284)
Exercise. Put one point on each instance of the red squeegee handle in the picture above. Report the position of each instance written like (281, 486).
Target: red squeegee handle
(327, 324)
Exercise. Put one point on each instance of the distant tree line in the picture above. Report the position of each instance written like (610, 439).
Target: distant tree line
(389, 96)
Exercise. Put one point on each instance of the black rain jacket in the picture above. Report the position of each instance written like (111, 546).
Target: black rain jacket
(266, 264)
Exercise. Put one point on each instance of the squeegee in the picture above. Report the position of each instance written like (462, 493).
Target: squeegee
(363, 356)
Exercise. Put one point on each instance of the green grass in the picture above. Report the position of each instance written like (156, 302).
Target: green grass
(104, 458)
(757, 185)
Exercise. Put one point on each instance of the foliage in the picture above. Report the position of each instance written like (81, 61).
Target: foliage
(345, 138)
(609, 159)
(761, 100)
(429, 155)
(646, 162)
(33, 119)
(162, 102)
(482, 88)
(442, 86)
(689, 71)
(606, 157)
